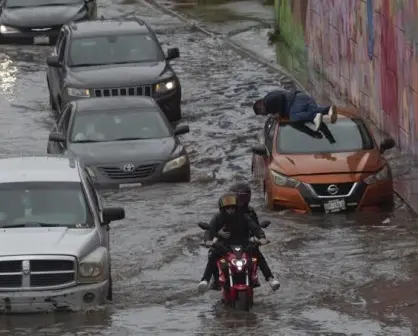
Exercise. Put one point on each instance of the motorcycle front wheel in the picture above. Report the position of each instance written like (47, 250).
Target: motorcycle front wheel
(243, 301)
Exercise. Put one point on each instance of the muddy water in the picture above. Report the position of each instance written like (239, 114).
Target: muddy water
(332, 269)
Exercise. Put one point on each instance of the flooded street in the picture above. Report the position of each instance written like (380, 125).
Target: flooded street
(338, 273)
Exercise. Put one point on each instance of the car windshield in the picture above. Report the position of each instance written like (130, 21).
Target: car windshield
(114, 49)
(346, 135)
(99, 126)
(35, 3)
(38, 204)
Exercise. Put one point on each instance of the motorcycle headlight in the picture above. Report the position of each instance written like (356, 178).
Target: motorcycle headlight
(283, 180)
(165, 86)
(238, 262)
(7, 30)
(93, 267)
(380, 176)
(175, 163)
(74, 92)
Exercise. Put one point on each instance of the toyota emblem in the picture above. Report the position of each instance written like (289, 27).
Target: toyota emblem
(129, 167)
(25, 267)
(332, 189)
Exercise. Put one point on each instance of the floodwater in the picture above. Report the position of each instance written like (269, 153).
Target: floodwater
(341, 275)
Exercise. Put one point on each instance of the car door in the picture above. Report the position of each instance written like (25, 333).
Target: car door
(58, 73)
(61, 126)
(269, 131)
(51, 71)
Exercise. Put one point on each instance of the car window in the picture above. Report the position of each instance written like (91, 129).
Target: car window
(58, 203)
(346, 135)
(64, 119)
(34, 3)
(118, 125)
(115, 49)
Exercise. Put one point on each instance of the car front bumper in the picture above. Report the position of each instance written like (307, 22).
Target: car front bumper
(69, 299)
(103, 181)
(304, 199)
(25, 38)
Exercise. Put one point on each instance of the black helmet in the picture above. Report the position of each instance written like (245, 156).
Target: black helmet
(228, 202)
(243, 192)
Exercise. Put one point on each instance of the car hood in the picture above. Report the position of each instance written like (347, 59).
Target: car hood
(353, 162)
(40, 16)
(118, 75)
(55, 240)
(124, 151)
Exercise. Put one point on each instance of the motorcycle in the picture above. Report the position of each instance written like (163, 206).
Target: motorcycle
(237, 271)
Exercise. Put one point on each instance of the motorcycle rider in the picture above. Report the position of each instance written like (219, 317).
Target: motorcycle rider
(243, 192)
(233, 227)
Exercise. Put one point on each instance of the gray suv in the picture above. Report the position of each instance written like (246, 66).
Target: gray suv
(54, 242)
(119, 57)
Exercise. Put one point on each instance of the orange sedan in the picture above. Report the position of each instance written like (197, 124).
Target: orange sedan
(340, 167)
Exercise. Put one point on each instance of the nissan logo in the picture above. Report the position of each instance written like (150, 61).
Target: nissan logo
(332, 189)
(129, 167)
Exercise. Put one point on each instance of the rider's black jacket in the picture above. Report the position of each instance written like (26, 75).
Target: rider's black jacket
(251, 212)
(241, 229)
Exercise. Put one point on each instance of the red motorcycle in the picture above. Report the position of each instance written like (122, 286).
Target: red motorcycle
(238, 272)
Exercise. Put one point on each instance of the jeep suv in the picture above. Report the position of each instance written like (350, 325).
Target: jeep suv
(54, 242)
(112, 57)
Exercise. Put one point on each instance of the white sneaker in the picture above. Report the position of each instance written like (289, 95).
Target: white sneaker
(332, 114)
(318, 121)
(274, 284)
(202, 286)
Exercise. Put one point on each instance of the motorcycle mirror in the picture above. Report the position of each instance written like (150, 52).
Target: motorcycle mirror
(204, 226)
(265, 224)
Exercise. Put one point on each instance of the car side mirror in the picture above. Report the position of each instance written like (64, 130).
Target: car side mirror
(53, 61)
(260, 149)
(56, 137)
(172, 53)
(181, 129)
(386, 144)
(112, 214)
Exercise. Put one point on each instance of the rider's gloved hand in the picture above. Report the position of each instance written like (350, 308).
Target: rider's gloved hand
(263, 241)
(254, 240)
(223, 234)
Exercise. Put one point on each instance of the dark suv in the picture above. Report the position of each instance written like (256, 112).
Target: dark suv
(112, 57)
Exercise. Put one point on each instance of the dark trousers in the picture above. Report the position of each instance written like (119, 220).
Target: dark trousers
(304, 108)
(214, 254)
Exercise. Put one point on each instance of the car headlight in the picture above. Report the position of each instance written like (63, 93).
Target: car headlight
(284, 181)
(93, 268)
(73, 92)
(175, 163)
(380, 176)
(165, 86)
(7, 30)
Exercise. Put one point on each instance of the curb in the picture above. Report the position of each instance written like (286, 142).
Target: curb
(287, 80)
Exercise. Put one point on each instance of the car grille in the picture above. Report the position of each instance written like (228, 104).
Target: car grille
(35, 273)
(321, 189)
(116, 173)
(129, 91)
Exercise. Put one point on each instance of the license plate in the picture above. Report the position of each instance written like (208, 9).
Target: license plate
(130, 185)
(335, 206)
(41, 40)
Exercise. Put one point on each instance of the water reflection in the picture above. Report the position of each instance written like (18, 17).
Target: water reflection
(8, 71)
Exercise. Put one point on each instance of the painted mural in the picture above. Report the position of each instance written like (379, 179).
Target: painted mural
(368, 49)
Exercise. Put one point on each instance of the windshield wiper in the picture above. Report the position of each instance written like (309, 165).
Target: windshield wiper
(128, 138)
(87, 141)
(29, 224)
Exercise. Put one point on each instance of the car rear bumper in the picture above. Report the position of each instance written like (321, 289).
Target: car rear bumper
(303, 199)
(170, 104)
(26, 38)
(69, 299)
(180, 174)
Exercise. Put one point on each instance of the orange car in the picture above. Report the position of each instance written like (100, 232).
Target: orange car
(340, 167)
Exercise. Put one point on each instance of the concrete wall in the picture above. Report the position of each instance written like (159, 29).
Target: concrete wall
(367, 49)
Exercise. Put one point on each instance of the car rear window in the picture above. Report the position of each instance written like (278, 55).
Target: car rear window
(346, 135)
(114, 49)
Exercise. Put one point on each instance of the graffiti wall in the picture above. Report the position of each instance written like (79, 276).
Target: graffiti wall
(368, 50)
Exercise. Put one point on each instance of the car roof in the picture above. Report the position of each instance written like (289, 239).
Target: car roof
(116, 102)
(107, 27)
(343, 113)
(46, 168)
